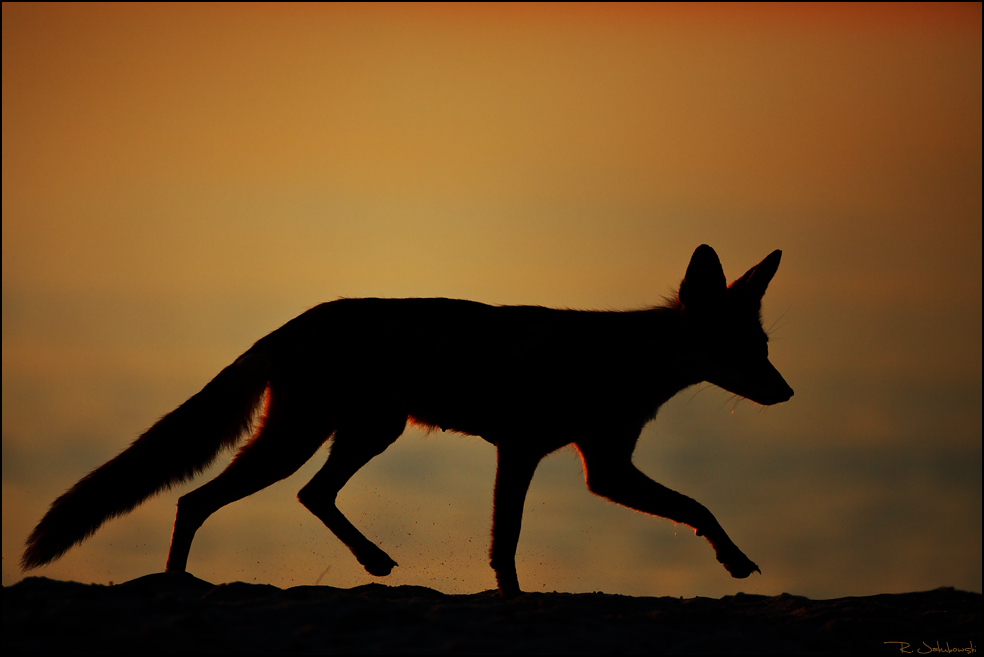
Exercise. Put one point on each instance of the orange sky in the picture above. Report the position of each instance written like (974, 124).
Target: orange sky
(180, 180)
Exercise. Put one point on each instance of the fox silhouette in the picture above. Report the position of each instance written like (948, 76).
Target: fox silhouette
(527, 379)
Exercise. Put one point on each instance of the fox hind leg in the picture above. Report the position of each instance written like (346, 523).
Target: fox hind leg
(354, 445)
(289, 435)
(613, 476)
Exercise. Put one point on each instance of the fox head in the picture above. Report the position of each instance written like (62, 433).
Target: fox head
(723, 327)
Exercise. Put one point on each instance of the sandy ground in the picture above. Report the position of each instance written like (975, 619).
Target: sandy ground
(180, 614)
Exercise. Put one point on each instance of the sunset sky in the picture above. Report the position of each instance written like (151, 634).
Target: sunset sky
(180, 180)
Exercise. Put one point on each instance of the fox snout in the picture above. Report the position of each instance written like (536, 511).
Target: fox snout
(760, 383)
(773, 394)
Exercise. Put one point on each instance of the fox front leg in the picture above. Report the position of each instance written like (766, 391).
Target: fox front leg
(613, 476)
(513, 474)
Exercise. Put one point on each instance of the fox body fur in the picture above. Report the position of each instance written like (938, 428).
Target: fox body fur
(527, 379)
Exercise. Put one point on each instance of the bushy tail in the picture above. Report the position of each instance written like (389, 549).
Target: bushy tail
(181, 444)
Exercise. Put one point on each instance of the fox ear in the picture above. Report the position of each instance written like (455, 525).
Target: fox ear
(757, 279)
(704, 283)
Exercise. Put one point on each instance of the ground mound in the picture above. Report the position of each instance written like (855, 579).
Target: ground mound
(180, 614)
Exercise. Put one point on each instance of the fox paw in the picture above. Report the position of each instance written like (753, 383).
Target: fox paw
(508, 584)
(378, 563)
(738, 564)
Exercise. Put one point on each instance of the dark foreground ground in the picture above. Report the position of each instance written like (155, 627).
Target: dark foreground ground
(180, 614)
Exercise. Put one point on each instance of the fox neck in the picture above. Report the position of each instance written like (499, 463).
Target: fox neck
(670, 362)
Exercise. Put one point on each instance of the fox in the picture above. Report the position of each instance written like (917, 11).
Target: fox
(527, 379)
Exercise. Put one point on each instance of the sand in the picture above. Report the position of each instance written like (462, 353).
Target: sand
(180, 614)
